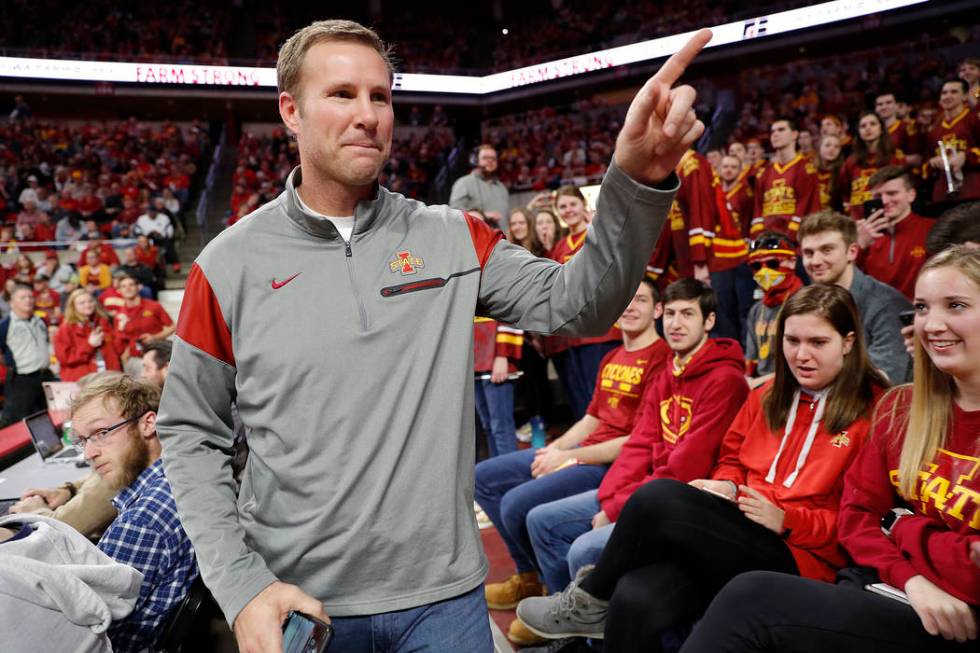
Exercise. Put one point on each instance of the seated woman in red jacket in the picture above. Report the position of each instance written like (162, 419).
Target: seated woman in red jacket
(83, 343)
(910, 511)
(771, 502)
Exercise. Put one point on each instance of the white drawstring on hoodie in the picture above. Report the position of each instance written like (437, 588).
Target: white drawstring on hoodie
(821, 399)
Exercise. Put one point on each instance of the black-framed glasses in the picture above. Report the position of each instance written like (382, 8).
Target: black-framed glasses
(772, 264)
(101, 435)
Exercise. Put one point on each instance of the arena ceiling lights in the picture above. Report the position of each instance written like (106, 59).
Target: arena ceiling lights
(237, 76)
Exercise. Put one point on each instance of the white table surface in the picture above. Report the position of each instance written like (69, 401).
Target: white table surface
(32, 472)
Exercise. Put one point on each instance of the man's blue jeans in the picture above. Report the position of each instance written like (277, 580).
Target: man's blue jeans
(577, 369)
(495, 406)
(457, 624)
(562, 536)
(734, 289)
(507, 492)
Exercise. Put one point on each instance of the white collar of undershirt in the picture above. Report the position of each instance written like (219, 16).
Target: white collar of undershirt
(344, 224)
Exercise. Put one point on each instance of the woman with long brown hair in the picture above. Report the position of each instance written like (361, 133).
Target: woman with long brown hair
(771, 502)
(910, 511)
(520, 231)
(873, 149)
(84, 341)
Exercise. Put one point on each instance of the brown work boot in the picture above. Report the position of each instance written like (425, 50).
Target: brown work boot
(506, 595)
(519, 634)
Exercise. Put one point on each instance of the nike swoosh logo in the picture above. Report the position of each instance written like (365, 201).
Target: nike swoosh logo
(276, 285)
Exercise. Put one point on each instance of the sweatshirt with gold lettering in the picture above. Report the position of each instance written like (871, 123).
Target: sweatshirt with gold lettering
(935, 541)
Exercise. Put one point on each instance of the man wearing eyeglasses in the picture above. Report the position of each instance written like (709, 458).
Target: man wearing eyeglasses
(114, 423)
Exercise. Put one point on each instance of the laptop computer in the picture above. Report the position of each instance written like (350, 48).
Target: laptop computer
(47, 440)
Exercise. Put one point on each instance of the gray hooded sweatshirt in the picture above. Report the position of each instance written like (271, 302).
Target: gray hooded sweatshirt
(58, 592)
(352, 367)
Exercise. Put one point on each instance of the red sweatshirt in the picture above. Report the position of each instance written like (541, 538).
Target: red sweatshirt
(77, 357)
(678, 432)
(619, 388)
(896, 258)
(812, 501)
(492, 339)
(935, 542)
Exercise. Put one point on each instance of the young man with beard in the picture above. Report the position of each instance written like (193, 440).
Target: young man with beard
(482, 190)
(686, 411)
(772, 260)
(114, 424)
(828, 243)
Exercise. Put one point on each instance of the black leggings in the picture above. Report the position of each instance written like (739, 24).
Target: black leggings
(765, 611)
(674, 547)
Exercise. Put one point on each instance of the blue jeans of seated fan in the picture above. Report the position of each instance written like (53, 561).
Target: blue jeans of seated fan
(507, 492)
(563, 539)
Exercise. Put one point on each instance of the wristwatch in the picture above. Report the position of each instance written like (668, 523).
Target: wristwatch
(891, 518)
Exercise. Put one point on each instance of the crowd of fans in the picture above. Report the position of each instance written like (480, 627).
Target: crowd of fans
(769, 257)
(418, 152)
(112, 194)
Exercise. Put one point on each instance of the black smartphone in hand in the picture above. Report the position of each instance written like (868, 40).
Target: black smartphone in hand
(871, 206)
(906, 318)
(305, 634)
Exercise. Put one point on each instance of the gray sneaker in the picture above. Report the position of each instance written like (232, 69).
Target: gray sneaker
(572, 613)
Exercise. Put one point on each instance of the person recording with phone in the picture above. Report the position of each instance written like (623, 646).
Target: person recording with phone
(85, 341)
(891, 236)
(780, 476)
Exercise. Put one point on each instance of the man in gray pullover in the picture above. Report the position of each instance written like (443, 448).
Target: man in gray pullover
(339, 317)
(828, 243)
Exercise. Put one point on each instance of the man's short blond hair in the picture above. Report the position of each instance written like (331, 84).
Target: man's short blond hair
(132, 397)
(289, 67)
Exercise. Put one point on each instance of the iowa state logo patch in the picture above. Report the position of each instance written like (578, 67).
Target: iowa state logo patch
(406, 263)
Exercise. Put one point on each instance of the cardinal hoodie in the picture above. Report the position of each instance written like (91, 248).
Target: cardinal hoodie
(686, 411)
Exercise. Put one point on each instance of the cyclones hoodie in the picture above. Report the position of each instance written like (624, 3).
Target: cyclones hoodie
(684, 415)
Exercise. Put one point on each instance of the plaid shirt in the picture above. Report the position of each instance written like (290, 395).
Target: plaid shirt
(148, 536)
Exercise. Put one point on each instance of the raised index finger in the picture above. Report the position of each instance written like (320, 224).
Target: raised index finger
(674, 67)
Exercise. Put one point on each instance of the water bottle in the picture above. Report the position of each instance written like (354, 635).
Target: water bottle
(538, 435)
(66, 433)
